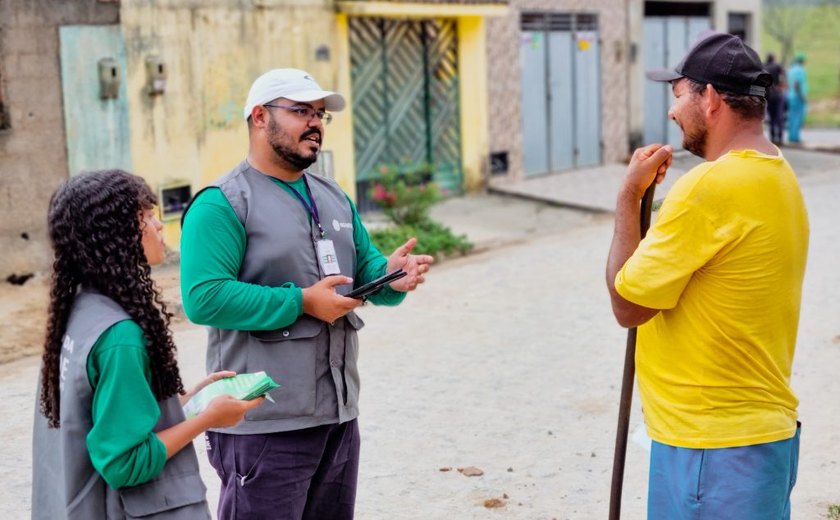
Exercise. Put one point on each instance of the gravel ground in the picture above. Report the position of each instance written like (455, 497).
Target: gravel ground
(509, 361)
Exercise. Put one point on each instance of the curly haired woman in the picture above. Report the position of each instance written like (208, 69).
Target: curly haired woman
(111, 440)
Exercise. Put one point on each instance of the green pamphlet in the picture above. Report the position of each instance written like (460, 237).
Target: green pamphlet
(241, 386)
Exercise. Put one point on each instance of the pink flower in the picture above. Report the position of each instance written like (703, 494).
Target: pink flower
(379, 192)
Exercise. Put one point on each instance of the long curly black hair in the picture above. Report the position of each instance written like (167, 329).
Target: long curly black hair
(95, 231)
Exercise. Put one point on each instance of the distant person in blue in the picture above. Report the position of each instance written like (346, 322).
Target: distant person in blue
(797, 97)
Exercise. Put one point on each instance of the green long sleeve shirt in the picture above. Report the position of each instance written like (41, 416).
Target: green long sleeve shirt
(213, 244)
(122, 445)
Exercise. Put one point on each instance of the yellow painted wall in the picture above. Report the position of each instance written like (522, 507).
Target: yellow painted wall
(340, 131)
(195, 131)
(472, 69)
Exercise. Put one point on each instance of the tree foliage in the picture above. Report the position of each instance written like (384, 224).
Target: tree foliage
(783, 21)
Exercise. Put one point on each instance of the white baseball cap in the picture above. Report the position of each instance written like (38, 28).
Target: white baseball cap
(292, 84)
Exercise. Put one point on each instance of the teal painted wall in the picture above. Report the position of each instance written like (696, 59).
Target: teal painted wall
(97, 129)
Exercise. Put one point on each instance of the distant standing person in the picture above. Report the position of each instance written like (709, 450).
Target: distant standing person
(715, 289)
(797, 97)
(268, 254)
(110, 439)
(776, 100)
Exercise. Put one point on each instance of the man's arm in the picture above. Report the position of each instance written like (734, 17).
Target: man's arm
(648, 165)
(626, 239)
(212, 248)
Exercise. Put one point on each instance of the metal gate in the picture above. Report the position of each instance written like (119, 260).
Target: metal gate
(667, 39)
(404, 78)
(561, 84)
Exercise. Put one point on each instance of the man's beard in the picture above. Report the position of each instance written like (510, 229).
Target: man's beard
(695, 141)
(287, 153)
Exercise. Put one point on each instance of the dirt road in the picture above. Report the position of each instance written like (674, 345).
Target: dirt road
(510, 361)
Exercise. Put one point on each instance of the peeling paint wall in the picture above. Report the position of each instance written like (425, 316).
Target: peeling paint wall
(96, 129)
(187, 135)
(212, 51)
(33, 155)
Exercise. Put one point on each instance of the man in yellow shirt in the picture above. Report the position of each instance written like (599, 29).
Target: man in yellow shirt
(715, 288)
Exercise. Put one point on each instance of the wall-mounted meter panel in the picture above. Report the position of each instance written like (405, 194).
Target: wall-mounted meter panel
(155, 76)
(109, 78)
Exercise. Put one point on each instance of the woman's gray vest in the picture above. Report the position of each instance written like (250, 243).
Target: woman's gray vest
(64, 483)
(314, 362)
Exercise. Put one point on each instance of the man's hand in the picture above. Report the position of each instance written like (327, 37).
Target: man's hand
(415, 265)
(648, 163)
(321, 301)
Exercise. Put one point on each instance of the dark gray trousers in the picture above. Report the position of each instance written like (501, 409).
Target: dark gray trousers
(776, 114)
(298, 475)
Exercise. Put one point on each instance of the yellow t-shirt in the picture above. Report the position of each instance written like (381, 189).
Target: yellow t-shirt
(724, 261)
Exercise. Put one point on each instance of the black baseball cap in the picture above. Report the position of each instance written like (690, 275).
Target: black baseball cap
(724, 61)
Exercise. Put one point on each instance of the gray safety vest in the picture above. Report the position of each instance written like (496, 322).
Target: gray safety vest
(65, 484)
(313, 361)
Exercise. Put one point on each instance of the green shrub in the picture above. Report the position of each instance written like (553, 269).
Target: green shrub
(834, 512)
(433, 239)
(405, 193)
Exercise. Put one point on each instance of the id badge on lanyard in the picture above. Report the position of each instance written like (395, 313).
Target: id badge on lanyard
(325, 249)
(327, 257)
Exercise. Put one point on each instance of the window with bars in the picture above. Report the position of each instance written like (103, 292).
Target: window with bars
(738, 24)
(558, 21)
(678, 8)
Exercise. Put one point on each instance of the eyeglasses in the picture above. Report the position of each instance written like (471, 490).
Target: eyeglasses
(306, 113)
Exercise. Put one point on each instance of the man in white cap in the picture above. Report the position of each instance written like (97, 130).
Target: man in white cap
(268, 253)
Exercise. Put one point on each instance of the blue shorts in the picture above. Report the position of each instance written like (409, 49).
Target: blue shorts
(744, 483)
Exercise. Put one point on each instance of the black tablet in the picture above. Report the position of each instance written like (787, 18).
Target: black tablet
(371, 287)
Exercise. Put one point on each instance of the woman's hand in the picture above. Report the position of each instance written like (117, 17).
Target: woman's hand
(225, 411)
(212, 378)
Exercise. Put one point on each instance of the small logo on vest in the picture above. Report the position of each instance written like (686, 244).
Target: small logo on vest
(67, 345)
(338, 225)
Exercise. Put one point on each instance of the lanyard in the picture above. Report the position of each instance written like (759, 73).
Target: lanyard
(313, 209)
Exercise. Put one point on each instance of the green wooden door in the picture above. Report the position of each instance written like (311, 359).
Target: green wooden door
(405, 98)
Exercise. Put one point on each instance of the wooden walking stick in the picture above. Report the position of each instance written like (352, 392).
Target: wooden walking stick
(627, 382)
